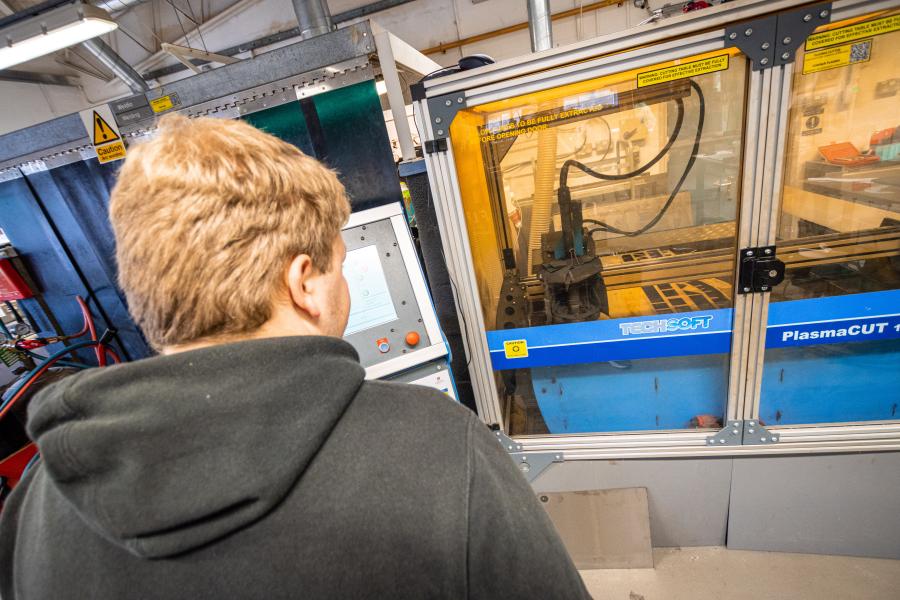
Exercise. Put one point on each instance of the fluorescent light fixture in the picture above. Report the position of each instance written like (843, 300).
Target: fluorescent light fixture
(28, 38)
(381, 87)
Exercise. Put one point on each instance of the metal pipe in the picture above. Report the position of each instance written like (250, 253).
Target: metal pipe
(539, 25)
(494, 33)
(314, 18)
(116, 64)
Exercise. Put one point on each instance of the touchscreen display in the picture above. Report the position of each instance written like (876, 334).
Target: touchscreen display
(370, 299)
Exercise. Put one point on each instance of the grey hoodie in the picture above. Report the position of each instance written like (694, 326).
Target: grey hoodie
(269, 469)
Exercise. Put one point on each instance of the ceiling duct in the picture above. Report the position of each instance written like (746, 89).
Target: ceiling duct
(115, 63)
(314, 18)
(540, 25)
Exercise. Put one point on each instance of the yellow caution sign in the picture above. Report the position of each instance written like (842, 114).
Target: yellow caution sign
(850, 33)
(162, 104)
(110, 152)
(103, 133)
(837, 56)
(515, 348)
(683, 70)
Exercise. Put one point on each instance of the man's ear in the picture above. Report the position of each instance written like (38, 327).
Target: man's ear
(302, 278)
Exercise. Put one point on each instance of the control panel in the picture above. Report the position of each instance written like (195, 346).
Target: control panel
(392, 323)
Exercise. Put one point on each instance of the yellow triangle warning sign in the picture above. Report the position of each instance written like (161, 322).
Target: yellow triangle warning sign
(103, 133)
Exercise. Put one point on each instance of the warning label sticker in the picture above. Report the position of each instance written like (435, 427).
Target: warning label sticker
(110, 152)
(494, 132)
(515, 348)
(837, 56)
(104, 133)
(683, 71)
(853, 32)
(164, 103)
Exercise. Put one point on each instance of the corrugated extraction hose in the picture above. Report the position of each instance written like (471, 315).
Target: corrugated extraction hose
(544, 192)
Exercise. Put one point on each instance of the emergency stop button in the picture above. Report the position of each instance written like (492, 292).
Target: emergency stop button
(412, 338)
(384, 346)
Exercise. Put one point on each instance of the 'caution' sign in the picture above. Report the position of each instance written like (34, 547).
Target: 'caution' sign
(515, 348)
(104, 133)
(683, 70)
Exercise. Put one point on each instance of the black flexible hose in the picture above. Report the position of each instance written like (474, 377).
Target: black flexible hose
(687, 169)
(564, 173)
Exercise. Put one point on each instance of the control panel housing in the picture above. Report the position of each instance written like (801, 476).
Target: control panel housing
(392, 325)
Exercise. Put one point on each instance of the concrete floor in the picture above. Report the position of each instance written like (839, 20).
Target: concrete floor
(720, 574)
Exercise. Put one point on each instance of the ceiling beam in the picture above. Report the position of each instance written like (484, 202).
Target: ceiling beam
(36, 78)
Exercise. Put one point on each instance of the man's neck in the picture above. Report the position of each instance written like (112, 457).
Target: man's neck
(280, 325)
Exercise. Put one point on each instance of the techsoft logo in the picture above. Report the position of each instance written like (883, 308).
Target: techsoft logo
(666, 325)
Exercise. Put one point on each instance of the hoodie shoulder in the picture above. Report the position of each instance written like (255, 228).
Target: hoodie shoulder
(410, 404)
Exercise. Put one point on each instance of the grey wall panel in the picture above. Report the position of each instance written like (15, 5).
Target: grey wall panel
(832, 504)
(688, 497)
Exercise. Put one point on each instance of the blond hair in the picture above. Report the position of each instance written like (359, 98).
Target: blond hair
(207, 215)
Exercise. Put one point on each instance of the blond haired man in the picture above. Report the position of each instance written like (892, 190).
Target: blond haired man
(250, 459)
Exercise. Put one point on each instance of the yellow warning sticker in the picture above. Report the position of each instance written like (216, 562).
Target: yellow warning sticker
(103, 133)
(162, 104)
(110, 152)
(850, 33)
(837, 56)
(515, 348)
(683, 70)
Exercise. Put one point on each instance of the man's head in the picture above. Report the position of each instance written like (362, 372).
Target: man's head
(224, 232)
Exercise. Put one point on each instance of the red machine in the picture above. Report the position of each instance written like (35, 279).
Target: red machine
(12, 402)
(12, 286)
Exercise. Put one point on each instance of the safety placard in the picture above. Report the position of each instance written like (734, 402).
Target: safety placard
(164, 103)
(104, 133)
(837, 56)
(683, 70)
(851, 33)
(515, 348)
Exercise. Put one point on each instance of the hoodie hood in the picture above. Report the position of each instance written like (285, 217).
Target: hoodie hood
(170, 453)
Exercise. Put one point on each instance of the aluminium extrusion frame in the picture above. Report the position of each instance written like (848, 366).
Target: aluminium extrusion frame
(766, 111)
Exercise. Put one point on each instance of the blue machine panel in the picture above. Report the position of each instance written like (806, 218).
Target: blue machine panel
(832, 360)
(664, 373)
(649, 394)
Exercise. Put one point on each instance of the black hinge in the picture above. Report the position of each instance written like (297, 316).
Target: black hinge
(760, 271)
(438, 145)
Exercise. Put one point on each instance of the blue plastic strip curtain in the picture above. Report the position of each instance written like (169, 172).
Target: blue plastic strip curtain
(46, 260)
(57, 222)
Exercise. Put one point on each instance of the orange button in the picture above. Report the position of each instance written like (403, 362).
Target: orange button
(412, 338)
